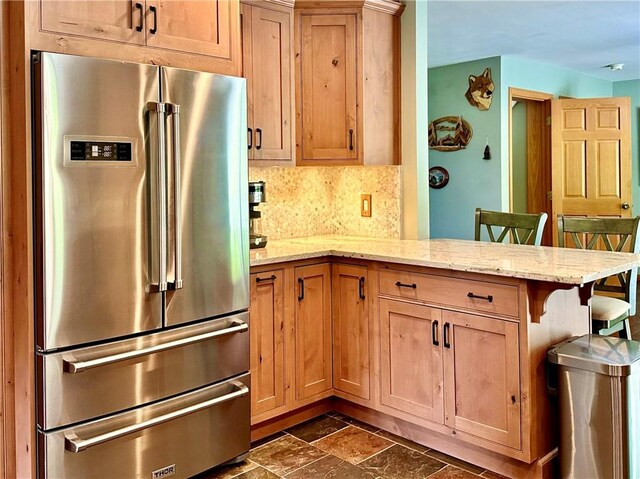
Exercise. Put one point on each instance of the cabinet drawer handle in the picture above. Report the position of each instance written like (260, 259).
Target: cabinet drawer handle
(434, 333)
(154, 10)
(403, 285)
(361, 287)
(488, 298)
(250, 135)
(351, 139)
(300, 289)
(138, 6)
(445, 335)
(270, 278)
(259, 139)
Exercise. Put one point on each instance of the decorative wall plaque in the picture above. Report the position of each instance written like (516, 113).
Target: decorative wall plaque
(449, 133)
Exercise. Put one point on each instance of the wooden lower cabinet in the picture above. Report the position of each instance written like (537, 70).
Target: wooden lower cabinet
(451, 371)
(290, 327)
(313, 363)
(268, 348)
(411, 371)
(482, 377)
(457, 369)
(350, 316)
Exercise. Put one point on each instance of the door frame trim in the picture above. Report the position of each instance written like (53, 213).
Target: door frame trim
(524, 95)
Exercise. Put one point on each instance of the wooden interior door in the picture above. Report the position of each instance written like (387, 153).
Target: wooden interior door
(411, 374)
(271, 84)
(591, 158)
(350, 329)
(194, 26)
(118, 20)
(482, 354)
(268, 372)
(328, 88)
(313, 332)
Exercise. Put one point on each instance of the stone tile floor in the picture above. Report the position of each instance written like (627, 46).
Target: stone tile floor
(334, 446)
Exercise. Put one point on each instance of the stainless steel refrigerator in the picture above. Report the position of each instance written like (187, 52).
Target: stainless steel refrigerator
(142, 263)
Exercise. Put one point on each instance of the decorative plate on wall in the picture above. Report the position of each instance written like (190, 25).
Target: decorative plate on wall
(438, 177)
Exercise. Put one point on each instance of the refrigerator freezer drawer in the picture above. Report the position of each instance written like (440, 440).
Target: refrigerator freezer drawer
(184, 436)
(84, 383)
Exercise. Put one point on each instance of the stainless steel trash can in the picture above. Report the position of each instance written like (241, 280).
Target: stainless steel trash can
(598, 387)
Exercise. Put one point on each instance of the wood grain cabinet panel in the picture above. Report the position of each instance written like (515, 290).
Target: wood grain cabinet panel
(350, 329)
(347, 82)
(203, 27)
(119, 20)
(268, 349)
(313, 363)
(194, 26)
(411, 371)
(482, 377)
(267, 66)
(481, 296)
(329, 87)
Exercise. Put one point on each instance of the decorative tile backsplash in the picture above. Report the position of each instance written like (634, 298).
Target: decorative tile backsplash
(326, 200)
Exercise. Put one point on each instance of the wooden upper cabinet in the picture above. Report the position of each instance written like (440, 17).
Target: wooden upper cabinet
(313, 332)
(329, 88)
(347, 82)
(121, 20)
(195, 26)
(268, 67)
(350, 309)
(203, 27)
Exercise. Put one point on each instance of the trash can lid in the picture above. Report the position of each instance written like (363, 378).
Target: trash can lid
(600, 354)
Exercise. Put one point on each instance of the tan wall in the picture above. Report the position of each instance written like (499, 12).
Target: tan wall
(326, 200)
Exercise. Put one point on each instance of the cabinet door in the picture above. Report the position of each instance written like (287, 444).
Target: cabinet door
(411, 375)
(350, 330)
(268, 374)
(329, 87)
(269, 82)
(192, 26)
(313, 332)
(118, 20)
(482, 354)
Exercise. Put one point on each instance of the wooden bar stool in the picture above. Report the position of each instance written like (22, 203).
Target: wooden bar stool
(609, 314)
(519, 228)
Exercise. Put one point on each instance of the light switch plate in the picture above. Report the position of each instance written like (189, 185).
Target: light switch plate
(365, 205)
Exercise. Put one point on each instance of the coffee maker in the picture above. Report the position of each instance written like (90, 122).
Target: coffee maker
(256, 196)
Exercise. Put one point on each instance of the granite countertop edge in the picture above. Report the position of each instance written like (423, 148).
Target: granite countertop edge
(539, 263)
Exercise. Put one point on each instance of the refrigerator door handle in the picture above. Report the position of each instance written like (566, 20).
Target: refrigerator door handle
(161, 195)
(73, 367)
(174, 111)
(75, 444)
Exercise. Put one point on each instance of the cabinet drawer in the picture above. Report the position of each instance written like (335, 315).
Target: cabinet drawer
(495, 298)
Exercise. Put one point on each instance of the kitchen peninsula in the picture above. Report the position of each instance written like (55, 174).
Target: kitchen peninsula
(440, 341)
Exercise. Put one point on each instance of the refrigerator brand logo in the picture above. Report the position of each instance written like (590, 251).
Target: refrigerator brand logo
(164, 472)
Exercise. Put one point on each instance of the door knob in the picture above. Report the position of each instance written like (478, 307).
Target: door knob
(625, 206)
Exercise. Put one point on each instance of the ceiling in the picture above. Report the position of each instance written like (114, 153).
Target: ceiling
(578, 35)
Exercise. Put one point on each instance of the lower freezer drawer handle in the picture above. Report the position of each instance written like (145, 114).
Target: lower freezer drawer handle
(71, 366)
(75, 444)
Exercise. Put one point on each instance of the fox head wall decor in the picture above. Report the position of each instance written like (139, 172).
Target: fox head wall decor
(480, 91)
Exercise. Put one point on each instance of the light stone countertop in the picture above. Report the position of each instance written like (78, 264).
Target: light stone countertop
(541, 263)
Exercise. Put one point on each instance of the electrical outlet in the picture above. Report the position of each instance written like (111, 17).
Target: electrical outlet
(365, 205)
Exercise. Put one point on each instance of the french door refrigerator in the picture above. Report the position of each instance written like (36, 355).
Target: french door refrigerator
(142, 263)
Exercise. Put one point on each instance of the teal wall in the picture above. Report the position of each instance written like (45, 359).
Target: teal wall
(519, 156)
(518, 72)
(631, 88)
(473, 182)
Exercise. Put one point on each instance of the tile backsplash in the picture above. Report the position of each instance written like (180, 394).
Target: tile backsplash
(310, 201)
